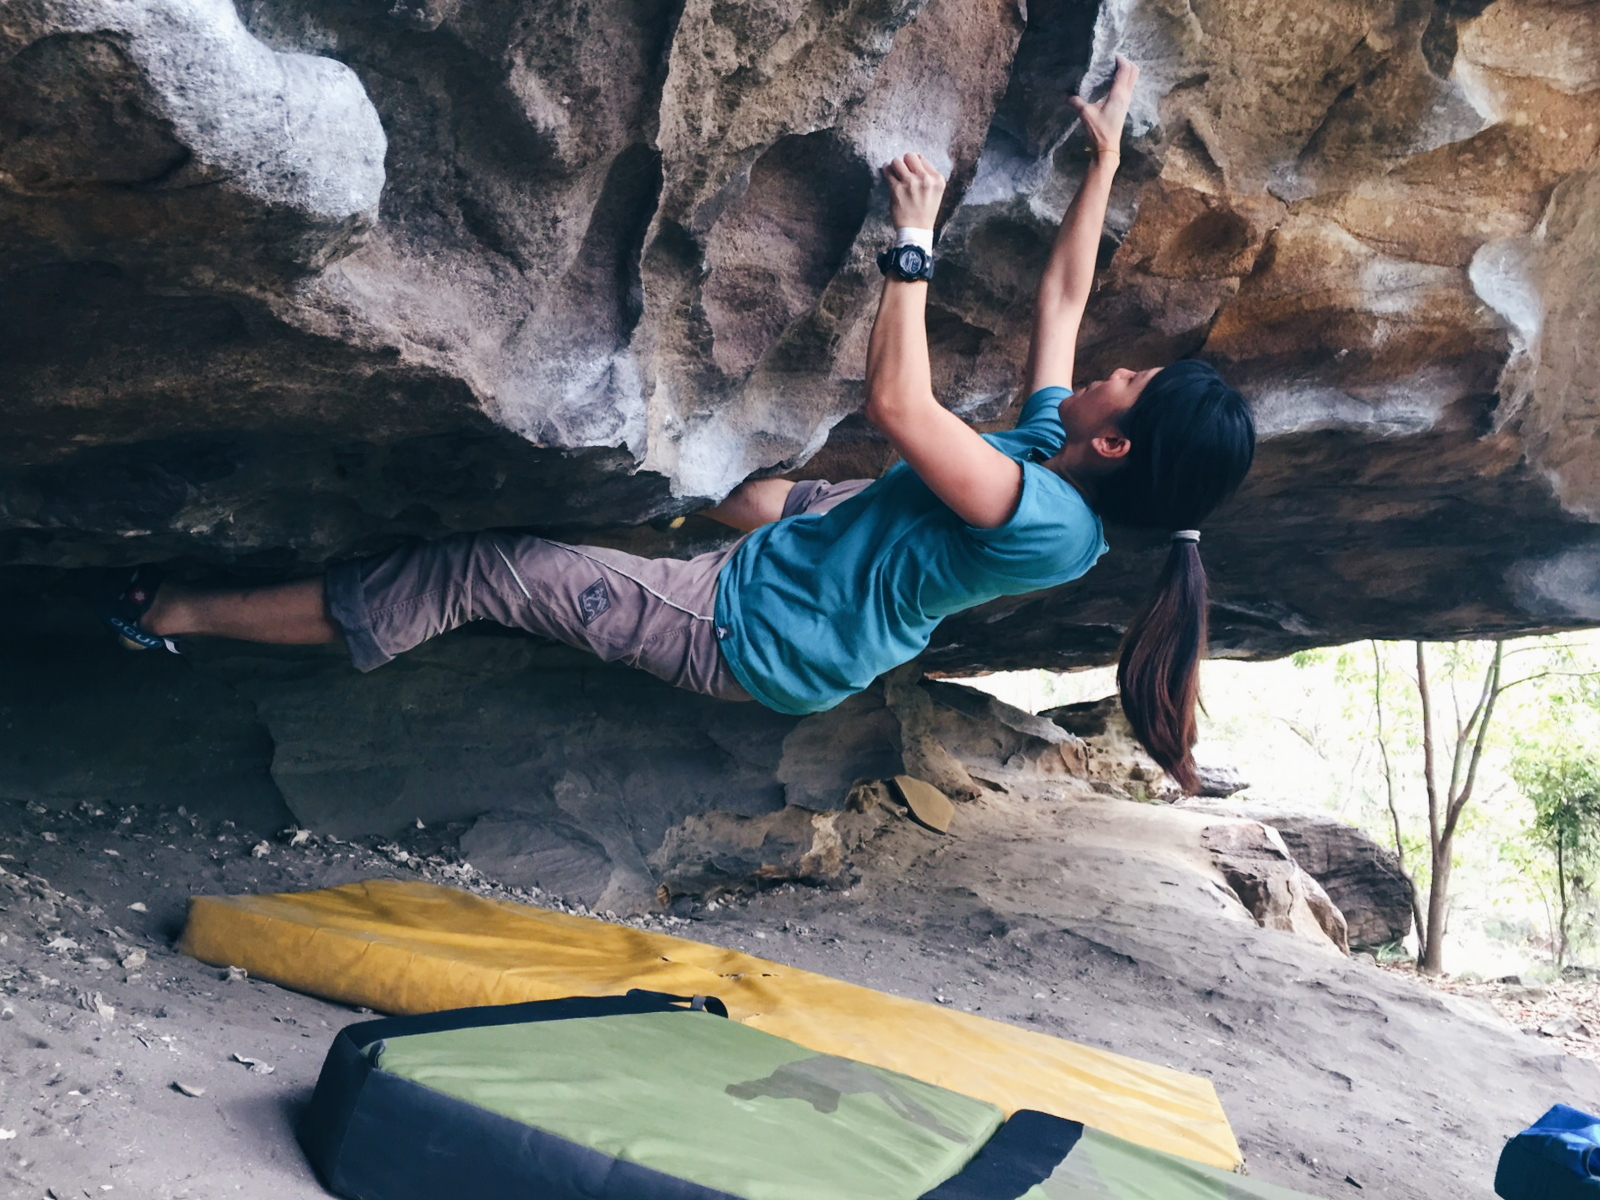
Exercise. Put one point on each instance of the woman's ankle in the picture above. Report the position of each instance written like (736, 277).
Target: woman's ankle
(167, 614)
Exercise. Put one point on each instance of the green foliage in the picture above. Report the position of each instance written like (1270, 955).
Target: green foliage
(1565, 790)
(1563, 783)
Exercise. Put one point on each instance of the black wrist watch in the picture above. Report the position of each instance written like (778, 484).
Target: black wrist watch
(909, 263)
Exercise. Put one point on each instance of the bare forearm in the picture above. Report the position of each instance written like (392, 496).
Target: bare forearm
(1068, 279)
(1069, 276)
(980, 484)
(899, 379)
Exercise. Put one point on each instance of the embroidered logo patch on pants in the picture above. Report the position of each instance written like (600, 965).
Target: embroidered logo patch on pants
(594, 600)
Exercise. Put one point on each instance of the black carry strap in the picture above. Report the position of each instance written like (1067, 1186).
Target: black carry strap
(1022, 1154)
(365, 1033)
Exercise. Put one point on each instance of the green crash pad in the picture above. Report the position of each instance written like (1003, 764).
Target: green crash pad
(689, 1094)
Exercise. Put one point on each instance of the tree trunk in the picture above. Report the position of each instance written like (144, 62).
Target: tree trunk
(1444, 819)
(1432, 960)
(1561, 889)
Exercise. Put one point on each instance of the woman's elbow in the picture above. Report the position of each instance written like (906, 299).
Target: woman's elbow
(880, 410)
(889, 407)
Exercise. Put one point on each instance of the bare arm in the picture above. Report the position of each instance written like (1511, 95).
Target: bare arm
(754, 503)
(1069, 276)
(978, 482)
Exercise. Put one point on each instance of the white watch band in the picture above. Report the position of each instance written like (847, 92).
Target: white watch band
(910, 235)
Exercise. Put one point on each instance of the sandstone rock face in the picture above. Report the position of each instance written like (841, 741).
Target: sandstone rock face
(714, 852)
(286, 279)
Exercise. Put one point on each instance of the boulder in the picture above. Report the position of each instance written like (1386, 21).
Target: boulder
(292, 279)
(1271, 885)
(1221, 781)
(1361, 876)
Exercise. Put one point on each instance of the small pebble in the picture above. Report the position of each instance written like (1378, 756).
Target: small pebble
(138, 906)
(188, 1089)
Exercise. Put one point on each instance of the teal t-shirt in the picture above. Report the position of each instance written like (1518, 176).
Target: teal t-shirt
(818, 605)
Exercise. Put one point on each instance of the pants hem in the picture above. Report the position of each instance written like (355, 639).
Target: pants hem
(347, 608)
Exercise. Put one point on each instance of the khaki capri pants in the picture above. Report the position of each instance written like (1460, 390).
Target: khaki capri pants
(657, 614)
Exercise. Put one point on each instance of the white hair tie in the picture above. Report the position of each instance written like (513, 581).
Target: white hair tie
(1186, 535)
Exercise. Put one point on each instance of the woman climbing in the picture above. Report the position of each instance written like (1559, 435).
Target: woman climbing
(835, 584)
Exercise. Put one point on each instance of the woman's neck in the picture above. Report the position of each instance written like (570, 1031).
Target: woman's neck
(1070, 466)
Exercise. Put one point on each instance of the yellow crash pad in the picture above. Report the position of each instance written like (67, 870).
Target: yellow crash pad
(400, 947)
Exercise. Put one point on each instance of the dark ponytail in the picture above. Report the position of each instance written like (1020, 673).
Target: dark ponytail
(1192, 441)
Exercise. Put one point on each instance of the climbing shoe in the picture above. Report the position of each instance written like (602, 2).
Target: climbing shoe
(122, 598)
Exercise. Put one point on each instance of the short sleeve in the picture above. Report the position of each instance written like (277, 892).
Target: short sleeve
(1039, 427)
(1045, 403)
(1053, 536)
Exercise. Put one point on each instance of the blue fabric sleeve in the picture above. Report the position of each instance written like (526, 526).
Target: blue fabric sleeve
(1042, 402)
(1043, 406)
(1053, 529)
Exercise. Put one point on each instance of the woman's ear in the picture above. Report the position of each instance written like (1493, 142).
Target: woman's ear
(1111, 445)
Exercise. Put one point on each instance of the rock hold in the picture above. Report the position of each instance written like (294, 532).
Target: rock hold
(154, 134)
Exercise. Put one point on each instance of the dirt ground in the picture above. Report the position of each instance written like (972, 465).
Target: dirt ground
(120, 1059)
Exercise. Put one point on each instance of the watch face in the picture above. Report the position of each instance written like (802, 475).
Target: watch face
(910, 259)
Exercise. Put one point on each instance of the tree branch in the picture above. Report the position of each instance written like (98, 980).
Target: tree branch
(1464, 734)
(1492, 690)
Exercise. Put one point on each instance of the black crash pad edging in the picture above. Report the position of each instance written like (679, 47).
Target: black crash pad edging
(371, 1134)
